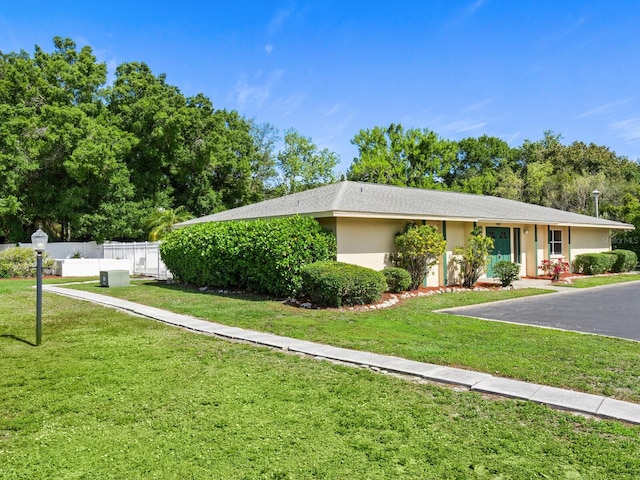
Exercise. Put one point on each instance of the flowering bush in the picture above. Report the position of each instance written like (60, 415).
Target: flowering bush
(555, 269)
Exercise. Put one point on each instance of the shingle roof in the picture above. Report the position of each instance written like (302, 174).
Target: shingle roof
(356, 199)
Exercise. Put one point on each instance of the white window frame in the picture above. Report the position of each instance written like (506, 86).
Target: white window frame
(555, 243)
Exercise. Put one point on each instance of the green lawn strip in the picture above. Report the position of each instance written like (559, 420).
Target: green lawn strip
(587, 282)
(588, 363)
(108, 395)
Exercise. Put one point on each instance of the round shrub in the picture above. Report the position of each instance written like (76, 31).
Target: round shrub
(398, 279)
(334, 284)
(507, 272)
(20, 262)
(263, 256)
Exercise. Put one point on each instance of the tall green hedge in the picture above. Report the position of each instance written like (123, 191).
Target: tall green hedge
(594, 263)
(262, 256)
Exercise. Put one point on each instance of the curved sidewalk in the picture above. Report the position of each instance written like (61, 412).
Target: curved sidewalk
(596, 405)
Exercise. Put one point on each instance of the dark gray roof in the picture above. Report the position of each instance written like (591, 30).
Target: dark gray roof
(356, 199)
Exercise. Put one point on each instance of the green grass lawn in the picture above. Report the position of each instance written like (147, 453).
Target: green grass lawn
(588, 282)
(588, 363)
(109, 395)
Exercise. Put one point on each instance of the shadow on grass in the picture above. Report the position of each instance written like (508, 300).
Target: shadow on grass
(190, 289)
(13, 337)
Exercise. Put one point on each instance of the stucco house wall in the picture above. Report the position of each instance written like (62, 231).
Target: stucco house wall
(585, 240)
(365, 218)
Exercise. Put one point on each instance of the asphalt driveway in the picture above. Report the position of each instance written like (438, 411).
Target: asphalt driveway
(612, 310)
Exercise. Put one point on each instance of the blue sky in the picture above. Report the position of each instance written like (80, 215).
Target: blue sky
(510, 69)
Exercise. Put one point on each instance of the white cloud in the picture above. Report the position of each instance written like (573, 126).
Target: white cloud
(290, 104)
(256, 93)
(474, 7)
(607, 107)
(461, 126)
(327, 112)
(268, 49)
(278, 20)
(478, 105)
(627, 129)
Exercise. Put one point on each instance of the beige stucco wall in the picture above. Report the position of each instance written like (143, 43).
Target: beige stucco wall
(589, 240)
(368, 242)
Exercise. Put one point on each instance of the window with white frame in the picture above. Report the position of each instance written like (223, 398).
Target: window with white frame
(555, 242)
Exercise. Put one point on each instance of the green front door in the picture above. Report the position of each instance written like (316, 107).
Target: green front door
(501, 247)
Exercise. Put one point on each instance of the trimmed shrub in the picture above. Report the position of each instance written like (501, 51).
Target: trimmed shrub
(507, 272)
(263, 256)
(594, 263)
(334, 284)
(626, 260)
(417, 250)
(398, 279)
(20, 262)
(473, 257)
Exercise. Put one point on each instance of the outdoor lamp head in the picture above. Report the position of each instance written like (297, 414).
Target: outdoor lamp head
(39, 240)
(596, 194)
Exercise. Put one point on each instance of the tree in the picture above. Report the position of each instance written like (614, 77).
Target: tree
(478, 163)
(160, 222)
(413, 158)
(473, 257)
(303, 166)
(417, 250)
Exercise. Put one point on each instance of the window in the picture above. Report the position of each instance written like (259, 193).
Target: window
(555, 242)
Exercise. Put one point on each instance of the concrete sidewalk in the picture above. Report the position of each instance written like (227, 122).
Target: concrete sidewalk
(475, 381)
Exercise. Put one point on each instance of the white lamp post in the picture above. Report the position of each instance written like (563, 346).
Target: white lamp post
(596, 194)
(39, 241)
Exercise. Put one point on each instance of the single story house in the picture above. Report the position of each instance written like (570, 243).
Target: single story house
(365, 218)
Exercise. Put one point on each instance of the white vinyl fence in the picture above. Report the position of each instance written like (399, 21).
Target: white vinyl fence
(144, 255)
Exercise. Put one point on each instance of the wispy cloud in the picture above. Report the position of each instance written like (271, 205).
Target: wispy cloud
(607, 107)
(256, 93)
(464, 13)
(268, 49)
(473, 7)
(627, 129)
(328, 111)
(290, 104)
(278, 20)
(478, 105)
(464, 125)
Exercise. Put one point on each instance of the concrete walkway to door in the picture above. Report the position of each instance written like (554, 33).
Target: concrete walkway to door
(595, 405)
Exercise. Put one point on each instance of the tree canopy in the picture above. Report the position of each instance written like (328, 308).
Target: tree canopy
(89, 160)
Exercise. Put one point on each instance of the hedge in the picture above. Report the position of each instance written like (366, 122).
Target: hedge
(398, 279)
(334, 284)
(20, 262)
(626, 260)
(594, 263)
(263, 256)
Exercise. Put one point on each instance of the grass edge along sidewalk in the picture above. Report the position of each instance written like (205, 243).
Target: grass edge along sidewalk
(554, 397)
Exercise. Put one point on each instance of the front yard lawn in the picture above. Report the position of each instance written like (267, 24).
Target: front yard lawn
(588, 363)
(596, 281)
(113, 396)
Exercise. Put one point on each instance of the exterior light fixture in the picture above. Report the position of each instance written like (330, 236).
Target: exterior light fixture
(39, 241)
(596, 195)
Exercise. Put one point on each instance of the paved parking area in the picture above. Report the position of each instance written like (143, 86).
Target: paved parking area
(612, 310)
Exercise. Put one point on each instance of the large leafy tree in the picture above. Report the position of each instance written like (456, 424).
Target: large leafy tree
(89, 161)
(303, 165)
(393, 156)
(67, 153)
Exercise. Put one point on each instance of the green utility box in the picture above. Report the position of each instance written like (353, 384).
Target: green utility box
(114, 278)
